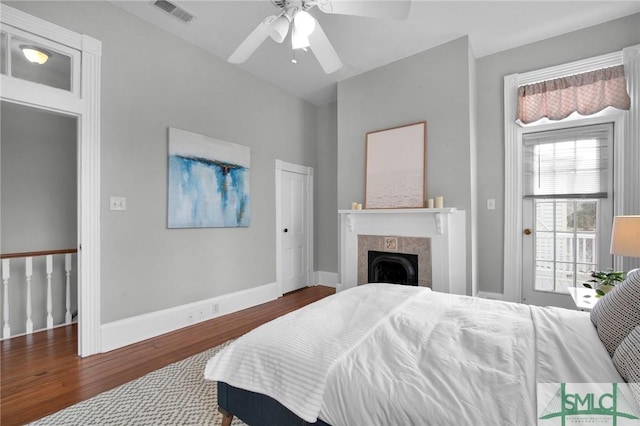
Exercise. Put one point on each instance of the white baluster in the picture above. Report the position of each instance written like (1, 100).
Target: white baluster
(67, 269)
(28, 274)
(6, 330)
(49, 297)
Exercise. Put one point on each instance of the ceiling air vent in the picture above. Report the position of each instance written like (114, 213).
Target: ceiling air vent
(174, 10)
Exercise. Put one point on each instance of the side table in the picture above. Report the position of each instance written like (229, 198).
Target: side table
(584, 298)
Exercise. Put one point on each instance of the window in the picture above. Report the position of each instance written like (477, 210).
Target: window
(567, 163)
(56, 72)
(57, 66)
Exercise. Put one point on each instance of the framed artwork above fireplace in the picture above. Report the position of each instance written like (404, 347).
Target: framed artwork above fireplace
(395, 174)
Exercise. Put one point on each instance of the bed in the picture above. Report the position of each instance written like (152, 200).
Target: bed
(386, 354)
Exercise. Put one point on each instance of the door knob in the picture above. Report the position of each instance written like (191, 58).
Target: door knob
(527, 231)
(286, 230)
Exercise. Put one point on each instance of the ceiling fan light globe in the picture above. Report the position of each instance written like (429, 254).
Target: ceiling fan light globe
(298, 39)
(304, 22)
(279, 28)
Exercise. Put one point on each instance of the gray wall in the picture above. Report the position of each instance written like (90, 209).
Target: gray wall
(326, 179)
(593, 41)
(38, 174)
(434, 86)
(152, 80)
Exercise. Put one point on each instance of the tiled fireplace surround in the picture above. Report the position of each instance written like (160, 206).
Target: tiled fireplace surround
(437, 236)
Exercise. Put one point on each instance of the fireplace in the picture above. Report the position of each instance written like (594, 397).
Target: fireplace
(393, 268)
(437, 236)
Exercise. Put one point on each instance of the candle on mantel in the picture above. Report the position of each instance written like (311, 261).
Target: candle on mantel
(430, 203)
(439, 202)
(354, 205)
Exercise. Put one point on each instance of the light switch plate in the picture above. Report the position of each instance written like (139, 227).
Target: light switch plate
(118, 203)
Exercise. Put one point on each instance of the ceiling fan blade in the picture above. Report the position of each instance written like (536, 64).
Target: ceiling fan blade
(390, 9)
(252, 42)
(322, 48)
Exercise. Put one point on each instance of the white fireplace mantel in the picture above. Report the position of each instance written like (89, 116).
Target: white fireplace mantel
(445, 227)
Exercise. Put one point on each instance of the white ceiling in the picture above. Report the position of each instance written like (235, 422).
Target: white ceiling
(367, 43)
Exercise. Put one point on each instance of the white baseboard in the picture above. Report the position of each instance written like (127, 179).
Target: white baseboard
(136, 329)
(490, 295)
(329, 279)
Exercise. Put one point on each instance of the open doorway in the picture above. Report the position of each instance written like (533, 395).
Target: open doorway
(38, 192)
(74, 59)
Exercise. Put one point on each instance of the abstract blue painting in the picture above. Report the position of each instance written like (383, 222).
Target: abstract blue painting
(208, 182)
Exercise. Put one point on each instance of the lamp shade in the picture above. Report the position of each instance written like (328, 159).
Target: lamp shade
(625, 237)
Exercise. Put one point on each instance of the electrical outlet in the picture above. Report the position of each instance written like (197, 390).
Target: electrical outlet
(201, 313)
(491, 204)
(118, 203)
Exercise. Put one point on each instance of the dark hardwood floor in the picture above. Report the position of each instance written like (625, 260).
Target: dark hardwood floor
(42, 374)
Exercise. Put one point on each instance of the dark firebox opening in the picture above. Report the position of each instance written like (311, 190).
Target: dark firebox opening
(395, 268)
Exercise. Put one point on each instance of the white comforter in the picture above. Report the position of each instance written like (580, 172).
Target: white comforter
(385, 354)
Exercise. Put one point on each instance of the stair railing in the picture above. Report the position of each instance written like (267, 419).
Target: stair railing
(14, 262)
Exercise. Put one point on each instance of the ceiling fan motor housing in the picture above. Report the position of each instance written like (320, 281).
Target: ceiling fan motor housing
(286, 5)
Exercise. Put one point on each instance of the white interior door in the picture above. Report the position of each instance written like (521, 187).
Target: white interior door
(294, 231)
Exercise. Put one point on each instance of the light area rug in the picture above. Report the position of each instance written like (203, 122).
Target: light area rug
(174, 395)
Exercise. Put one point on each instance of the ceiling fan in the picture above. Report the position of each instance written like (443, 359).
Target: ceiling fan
(305, 30)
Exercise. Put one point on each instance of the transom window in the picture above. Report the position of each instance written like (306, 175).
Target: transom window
(38, 60)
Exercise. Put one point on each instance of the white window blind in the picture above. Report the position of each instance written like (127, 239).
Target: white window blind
(568, 163)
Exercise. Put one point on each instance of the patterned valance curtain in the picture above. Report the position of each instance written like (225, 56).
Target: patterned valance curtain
(586, 93)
